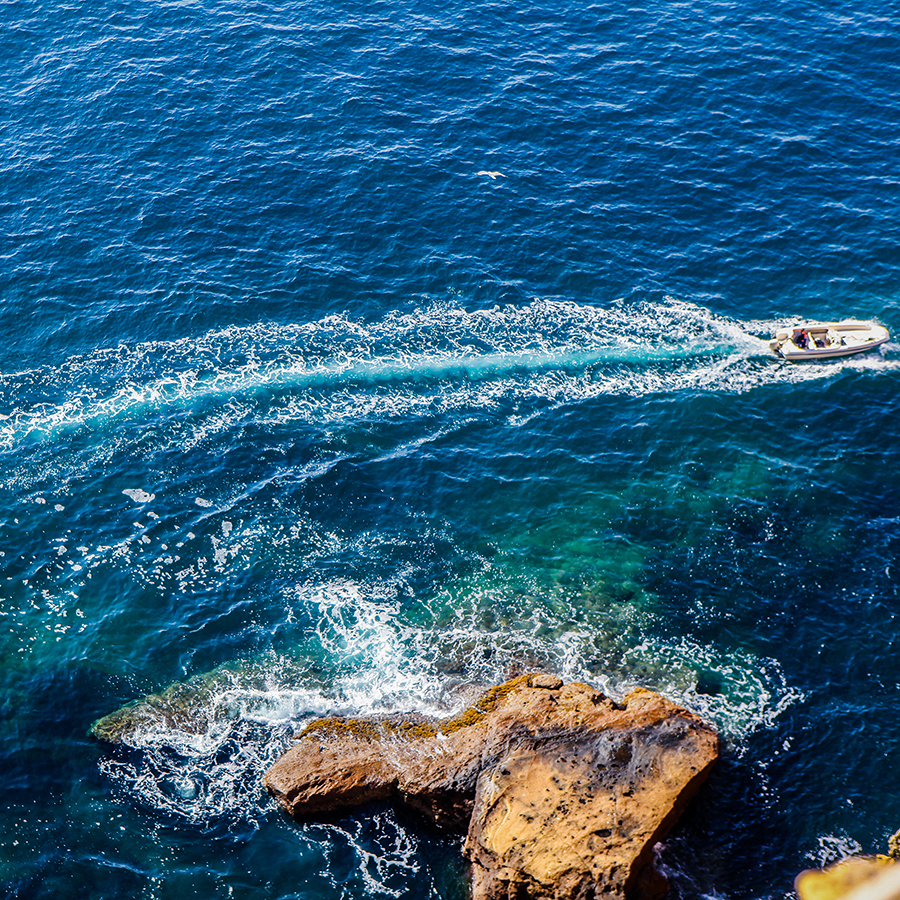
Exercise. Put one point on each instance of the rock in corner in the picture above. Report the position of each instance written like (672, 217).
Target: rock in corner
(562, 792)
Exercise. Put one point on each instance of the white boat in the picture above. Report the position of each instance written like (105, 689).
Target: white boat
(827, 340)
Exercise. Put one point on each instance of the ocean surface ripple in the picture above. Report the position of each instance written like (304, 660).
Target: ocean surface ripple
(352, 356)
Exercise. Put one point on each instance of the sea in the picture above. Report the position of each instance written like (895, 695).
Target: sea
(355, 357)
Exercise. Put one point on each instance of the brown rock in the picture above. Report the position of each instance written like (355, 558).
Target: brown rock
(854, 877)
(551, 682)
(563, 793)
(877, 877)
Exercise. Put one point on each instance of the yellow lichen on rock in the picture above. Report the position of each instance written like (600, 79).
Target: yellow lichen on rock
(391, 726)
(894, 845)
(485, 705)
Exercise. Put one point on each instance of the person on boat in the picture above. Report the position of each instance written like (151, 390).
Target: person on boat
(801, 338)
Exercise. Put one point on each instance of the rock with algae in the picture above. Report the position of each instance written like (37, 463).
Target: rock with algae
(894, 845)
(180, 707)
(561, 791)
(191, 707)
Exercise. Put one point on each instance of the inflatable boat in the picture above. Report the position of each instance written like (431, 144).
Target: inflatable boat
(827, 340)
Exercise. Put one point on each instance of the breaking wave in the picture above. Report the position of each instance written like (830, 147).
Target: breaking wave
(367, 654)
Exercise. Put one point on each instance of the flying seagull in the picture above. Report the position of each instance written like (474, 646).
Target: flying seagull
(493, 175)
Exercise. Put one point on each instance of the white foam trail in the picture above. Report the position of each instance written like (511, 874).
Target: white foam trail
(385, 853)
(423, 363)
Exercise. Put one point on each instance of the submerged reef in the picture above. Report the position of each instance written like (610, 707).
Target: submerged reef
(191, 707)
(562, 793)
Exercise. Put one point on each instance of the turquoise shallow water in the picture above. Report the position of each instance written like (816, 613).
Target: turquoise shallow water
(350, 355)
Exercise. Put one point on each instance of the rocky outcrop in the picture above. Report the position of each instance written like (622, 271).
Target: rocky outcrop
(855, 877)
(561, 791)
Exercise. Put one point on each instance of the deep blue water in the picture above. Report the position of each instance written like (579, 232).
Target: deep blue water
(353, 353)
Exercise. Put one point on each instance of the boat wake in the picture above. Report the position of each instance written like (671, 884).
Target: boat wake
(421, 364)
